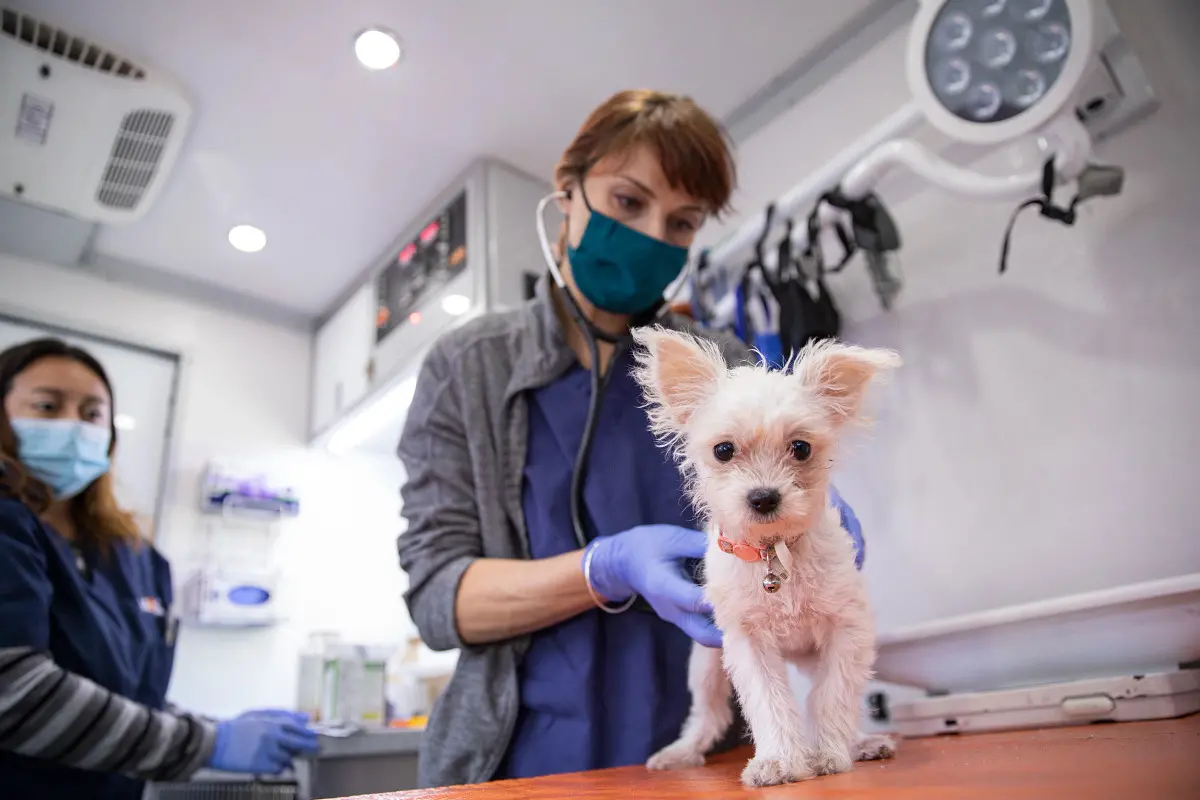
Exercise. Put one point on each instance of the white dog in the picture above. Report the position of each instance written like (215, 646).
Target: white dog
(756, 446)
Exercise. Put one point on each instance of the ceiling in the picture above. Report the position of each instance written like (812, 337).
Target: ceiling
(292, 135)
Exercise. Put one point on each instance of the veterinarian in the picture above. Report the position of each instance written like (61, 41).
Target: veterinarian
(574, 628)
(87, 633)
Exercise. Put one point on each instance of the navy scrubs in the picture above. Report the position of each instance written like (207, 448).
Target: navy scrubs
(598, 690)
(601, 690)
(105, 618)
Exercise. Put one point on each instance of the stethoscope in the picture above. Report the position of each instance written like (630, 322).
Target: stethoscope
(591, 333)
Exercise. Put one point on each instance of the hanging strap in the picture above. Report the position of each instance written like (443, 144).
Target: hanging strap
(745, 289)
(782, 262)
(1046, 207)
(762, 238)
(847, 241)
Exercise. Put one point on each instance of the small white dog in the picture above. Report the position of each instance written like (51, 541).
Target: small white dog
(756, 446)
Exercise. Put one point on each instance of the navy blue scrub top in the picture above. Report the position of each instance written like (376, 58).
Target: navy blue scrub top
(598, 690)
(103, 618)
(601, 690)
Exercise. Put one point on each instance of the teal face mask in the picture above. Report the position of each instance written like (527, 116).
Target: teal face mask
(66, 455)
(622, 270)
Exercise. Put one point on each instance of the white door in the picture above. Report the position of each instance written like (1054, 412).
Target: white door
(341, 359)
(144, 384)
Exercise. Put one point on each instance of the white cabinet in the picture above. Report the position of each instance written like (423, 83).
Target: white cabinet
(342, 353)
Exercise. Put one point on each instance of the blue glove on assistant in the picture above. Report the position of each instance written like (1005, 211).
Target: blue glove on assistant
(262, 742)
(648, 560)
(851, 524)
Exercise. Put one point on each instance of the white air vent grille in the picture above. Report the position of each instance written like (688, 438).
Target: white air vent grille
(135, 157)
(56, 42)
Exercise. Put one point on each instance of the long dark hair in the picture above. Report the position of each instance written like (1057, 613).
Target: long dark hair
(101, 522)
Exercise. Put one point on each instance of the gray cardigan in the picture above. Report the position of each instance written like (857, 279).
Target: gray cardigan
(463, 447)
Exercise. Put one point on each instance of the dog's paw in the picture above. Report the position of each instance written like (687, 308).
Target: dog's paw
(679, 755)
(763, 771)
(831, 761)
(874, 747)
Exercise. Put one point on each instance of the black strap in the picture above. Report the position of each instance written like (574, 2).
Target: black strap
(849, 245)
(756, 263)
(762, 238)
(782, 263)
(1047, 209)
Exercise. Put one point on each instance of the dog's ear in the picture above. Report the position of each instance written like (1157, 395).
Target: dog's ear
(840, 373)
(678, 373)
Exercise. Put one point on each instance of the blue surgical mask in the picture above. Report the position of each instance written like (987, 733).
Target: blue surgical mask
(620, 269)
(66, 455)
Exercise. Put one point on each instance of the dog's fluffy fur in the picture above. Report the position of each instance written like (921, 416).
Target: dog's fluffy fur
(820, 619)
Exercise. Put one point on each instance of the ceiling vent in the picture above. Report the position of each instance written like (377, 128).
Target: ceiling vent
(56, 42)
(84, 130)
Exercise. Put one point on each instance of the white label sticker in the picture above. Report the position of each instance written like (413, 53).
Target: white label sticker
(33, 123)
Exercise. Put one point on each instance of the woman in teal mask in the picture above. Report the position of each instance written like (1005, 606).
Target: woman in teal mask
(87, 629)
(549, 536)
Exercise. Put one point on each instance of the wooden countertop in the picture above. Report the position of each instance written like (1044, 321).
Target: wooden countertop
(1126, 761)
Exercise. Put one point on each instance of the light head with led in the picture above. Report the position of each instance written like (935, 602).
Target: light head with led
(992, 71)
(982, 72)
(988, 72)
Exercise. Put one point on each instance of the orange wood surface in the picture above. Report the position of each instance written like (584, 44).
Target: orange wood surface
(1130, 761)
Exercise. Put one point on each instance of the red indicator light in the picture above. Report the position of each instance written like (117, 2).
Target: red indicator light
(430, 232)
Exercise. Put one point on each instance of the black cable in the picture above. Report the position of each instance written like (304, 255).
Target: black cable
(598, 386)
(1045, 206)
(585, 445)
(849, 245)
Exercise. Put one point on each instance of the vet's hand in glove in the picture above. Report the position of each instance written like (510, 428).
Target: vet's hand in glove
(262, 742)
(648, 560)
(851, 524)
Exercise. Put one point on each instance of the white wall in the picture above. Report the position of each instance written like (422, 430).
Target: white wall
(244, 396)
(1041, 439)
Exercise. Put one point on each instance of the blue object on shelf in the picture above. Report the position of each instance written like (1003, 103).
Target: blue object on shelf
(248, 595)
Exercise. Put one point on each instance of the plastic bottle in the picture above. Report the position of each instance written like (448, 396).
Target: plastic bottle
(310, 688)
(353, 690)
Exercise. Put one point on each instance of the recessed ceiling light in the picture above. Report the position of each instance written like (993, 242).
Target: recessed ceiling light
(247, 238)
(456, 304)
(377, 48)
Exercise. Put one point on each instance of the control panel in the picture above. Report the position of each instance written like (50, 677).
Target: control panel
(421, 268)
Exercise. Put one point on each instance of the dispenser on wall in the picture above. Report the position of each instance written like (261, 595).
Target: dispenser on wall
(231, 581)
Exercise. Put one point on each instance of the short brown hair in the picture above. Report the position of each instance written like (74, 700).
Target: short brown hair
(693, 148)
(101, 521)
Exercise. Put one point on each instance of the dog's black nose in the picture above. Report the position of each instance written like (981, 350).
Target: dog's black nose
(764, 501)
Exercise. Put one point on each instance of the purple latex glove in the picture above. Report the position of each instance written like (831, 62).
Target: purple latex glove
(648, 560)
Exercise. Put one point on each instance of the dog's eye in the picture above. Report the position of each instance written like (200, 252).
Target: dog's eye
(724, 451)
(801, 450)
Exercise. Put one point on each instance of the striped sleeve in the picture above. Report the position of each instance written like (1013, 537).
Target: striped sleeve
(49, 713)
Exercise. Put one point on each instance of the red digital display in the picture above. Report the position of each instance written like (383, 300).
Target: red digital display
(421, 267)
(430, 232)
